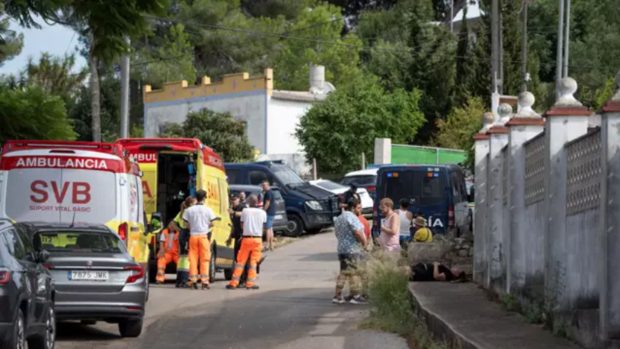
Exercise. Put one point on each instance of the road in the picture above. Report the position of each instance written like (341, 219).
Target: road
(292, 309)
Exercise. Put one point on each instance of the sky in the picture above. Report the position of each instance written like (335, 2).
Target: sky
(55, 39)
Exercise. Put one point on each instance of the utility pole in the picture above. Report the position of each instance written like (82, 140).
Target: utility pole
(125, 93)
(452, 16)
(524, 47)
(558, 63)
(500, 49)
(494, 46)
(566, 39)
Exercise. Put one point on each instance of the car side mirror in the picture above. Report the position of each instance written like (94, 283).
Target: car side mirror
(43, 256)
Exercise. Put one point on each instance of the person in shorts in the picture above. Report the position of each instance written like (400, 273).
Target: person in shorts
(270, 208)
(351, 244)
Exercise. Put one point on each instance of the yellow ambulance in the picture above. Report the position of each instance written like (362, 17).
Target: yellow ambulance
(173, 169)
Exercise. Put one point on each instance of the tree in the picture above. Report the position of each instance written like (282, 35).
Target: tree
(220, 131)
(32, 113)
(10, 42)
(55, 75)
(338, 130)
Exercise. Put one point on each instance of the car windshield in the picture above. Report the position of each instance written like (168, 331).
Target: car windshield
(78, 241)
(286, 176)
(329, 185)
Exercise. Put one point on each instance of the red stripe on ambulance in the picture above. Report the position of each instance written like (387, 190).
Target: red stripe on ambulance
(61, 162)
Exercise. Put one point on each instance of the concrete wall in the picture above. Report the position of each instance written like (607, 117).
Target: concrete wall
(251, 107)
(282, 121)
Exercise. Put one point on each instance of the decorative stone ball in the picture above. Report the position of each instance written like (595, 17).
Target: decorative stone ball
(487, 118)
(504, 110)
(568, 86)
(526, 99)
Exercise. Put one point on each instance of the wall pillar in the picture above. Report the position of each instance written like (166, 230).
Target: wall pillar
(481, 149)
(609, 297)
(565, 121)
(525, 125)
(498, 134)
(383, 151)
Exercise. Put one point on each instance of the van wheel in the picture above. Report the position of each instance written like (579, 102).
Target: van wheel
(296, 225)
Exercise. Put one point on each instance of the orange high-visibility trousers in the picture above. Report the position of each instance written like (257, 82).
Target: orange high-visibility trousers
(162, 262)
(199, 255)
(251, 248)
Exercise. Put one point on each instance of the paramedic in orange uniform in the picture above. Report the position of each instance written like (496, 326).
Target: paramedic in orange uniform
(253, 220)
(199, 219)
(168, 251)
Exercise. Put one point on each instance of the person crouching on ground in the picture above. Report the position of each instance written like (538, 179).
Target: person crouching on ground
(351, 244)
(253, 219)
(422, 232)
(168, 251)
(199, 219)
(389, 239)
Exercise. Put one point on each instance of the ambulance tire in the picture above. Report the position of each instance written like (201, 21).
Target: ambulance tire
(212, 266)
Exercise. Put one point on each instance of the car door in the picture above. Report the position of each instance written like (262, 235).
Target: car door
(41, 281)
(27, 269)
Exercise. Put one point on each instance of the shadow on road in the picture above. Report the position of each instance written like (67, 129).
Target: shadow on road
(75, 331)
(321, 257)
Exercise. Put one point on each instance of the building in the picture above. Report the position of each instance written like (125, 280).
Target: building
(271, 116)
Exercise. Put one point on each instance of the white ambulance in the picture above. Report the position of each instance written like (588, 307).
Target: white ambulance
(81, 182)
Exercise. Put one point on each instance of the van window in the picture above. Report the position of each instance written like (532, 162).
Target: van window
(233, 176)
(257, 177)
(425, 188)
(286, 176)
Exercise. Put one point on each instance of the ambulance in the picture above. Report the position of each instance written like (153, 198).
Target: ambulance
(175, 168)
(74, 182)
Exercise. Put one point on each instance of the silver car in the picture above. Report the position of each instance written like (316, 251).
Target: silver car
(96, 278)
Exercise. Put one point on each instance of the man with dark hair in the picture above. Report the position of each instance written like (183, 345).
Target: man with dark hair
(253, 219)
(348, 195)
(435, 272)
(270, 209)
(351, 243)
(199, 219)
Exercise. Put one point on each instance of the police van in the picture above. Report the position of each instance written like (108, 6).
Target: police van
(175, 168)
(437, 192)
(70, 182)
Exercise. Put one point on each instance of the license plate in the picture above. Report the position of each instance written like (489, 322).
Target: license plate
(278, 216)
(88, 275)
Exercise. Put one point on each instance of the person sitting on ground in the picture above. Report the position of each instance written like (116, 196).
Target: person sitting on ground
(435, 272)
(422, 232)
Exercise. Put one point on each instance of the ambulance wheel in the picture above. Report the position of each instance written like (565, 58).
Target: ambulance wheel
(212, 263)
(228, 274)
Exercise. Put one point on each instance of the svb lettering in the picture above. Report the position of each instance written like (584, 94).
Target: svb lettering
(80, 191)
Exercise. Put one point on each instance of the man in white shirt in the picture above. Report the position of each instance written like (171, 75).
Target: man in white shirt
(199, 219)
(253, 220)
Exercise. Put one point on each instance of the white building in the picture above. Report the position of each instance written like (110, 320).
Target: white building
(271, 115)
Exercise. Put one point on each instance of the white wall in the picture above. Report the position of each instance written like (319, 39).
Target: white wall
(283, 118)
(250, 107)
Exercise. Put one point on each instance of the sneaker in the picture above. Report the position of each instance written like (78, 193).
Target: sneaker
(230, 287)
(358, 300)
(254, 287)
(206, 287)
(338, 300)
(193, 286)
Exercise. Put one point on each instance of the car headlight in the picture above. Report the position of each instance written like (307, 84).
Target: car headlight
(314, 205)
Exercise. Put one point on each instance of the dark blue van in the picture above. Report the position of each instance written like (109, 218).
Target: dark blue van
(308, 207)
(437, 192)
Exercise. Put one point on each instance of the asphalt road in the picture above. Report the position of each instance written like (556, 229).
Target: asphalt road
(292, 309)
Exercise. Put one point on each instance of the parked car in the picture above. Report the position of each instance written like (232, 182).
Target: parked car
(366, 179)
(437, 192)
(307, 207)
(339, 189)
(280, 222)
(26, 292)
(95, 277)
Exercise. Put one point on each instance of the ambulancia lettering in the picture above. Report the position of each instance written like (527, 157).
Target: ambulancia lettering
(57, 162)
(145, 157)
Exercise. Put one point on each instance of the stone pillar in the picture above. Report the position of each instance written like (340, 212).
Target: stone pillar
(481, 145)
(383, 151)
(524, 241)
(498, 134)
(609, 296)
(565, 121)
